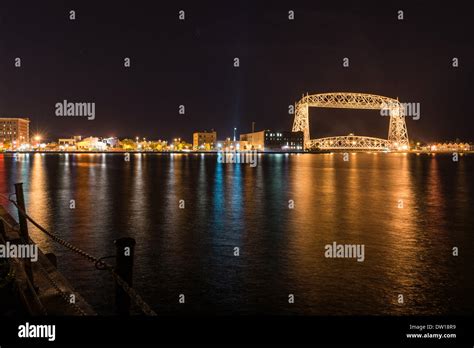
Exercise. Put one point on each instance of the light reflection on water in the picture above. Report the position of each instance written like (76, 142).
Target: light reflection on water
(190, 249)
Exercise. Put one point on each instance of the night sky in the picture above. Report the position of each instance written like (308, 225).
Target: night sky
(191, 62)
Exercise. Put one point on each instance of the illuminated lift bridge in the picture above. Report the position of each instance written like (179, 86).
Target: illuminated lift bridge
(397, 130)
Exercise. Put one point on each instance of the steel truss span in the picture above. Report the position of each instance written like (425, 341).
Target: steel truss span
(397, 130)
(350, 142)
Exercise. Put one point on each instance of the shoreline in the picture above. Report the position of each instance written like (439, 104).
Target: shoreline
(216, 152)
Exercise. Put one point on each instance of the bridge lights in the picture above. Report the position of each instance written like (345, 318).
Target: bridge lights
(397, 133)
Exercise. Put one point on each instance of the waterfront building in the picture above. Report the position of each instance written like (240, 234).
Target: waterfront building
(231, 145)
(69, 143)
(91, 144)
(204, 140)
(449, 147)
(267, 140)
(112, 142)
(14, 132)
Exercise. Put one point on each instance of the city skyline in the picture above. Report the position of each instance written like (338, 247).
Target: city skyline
(190, 63)
(16, 136)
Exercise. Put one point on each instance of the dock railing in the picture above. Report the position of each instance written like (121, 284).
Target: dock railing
(121, 273)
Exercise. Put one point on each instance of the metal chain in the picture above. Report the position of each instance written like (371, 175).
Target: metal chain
(64, 296)
(132, 293)
(145, 308)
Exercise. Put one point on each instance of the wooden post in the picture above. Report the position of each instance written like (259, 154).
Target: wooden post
(20, 200)
(125, 249)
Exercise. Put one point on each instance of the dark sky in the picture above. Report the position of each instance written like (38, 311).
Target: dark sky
(191, 63)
